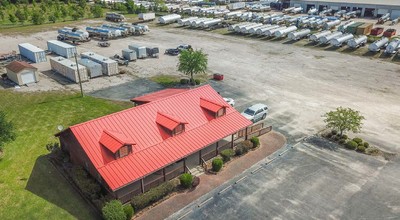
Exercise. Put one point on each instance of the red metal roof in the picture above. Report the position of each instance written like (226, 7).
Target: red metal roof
(157, 95)
(18, 66)
(152, 151)
(168, 121)
(211, 105)
(113, 140)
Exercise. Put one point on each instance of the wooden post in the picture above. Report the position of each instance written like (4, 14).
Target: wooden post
(245, 136)
(142, 184)
(79, 74)
(200, 157)
(216, 148)
(184, 165)
(232, 141)
(163, 171)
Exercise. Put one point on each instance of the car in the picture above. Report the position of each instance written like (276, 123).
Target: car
(230, 101)
(256, 112)
(184, 47)
(172, 52)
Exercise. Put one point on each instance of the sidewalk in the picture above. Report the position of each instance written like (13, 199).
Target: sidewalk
(270, 142)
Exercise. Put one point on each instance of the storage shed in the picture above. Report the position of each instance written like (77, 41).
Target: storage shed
(141, 51)
(22, 73)
(110, 67)
(31, 52)
(68, 69)
(61, 48)
(94, 69)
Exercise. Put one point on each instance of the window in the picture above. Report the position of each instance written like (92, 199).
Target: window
(123, 151)
(220, 113)
(179, 129)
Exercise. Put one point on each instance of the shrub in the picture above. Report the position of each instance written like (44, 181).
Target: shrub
(113, 210)
(217, 164)
(334, 132)
(128, 209)
(329, 135)
(358, 140)
(186, 180)
(255, 141)
(352, 145)
(153, 195)
(227, 154)
(344, 136)
(239, 150)
(342, 141)
(197, 81)
(336, 138)
(247, 144)
(372, 151)
(366, 144)
(196, 181)
(184, 81)
(361, 148)
(89, 187)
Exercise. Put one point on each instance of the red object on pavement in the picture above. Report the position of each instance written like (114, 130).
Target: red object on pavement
(218, 76)
(376, 31)
(389, 33)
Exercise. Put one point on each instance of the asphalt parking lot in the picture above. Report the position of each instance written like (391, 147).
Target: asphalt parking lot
(314, 180)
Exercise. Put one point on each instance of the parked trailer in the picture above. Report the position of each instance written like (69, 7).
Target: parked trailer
(351, 14)
(183, 21)
(377, 45)
(167, 19)
(297, 10)
(255, 29)
(325, 12)
(33, 53)
(208, 24)
(141, 51)
(68, 69)
(384, 18)
(244, 30)
(197, 23)
(327, 38)
(73, 34)
(147, 16)
(395, 21)
(315, 37)
(357, 42)
(284, 32)
(123, 30)
(299, 34)
(287, 10)
(112, 16)
(99, 32)
(393, 47)
(352, 29)
(109, 66)
(236, 5)
(237, 28)
(232, 14)
(344, 26)
(271, 32)
(331, 24)
(338, 42)
(61, 48)
(262, 31)
(94, 69)
(129, 54)
(318, 24)
(313, 11)
(233, 26)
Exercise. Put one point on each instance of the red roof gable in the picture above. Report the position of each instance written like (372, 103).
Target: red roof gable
(18, 66)
(211, 105)
(157, 95)
(168, 121)
(151, 151)
(114, 140)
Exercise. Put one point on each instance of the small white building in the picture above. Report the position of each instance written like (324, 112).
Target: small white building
(22, 73)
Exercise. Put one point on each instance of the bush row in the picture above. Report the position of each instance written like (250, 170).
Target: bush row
(187, 81)
(353, 144)
(114, 210)
(89, 187)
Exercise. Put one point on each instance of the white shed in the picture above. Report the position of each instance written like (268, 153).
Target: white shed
(22, 73)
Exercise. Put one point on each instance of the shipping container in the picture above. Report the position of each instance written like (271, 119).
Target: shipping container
(352, 29)
(364, 29)
(109, 66)
(31, 52)
(147, 16)
(61, 48)
(68, 69)
(140, 51)
(129, 54)
(94, 69)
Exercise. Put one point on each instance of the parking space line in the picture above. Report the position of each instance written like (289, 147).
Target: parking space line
(204, 202)
(241, 179)
(184, 215)
(222, 191)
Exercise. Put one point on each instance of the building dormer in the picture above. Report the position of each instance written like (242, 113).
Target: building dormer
(216, 109)
(115, 145)
(171, 124)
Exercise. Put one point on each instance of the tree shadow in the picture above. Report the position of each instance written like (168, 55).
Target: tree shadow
(46, 182)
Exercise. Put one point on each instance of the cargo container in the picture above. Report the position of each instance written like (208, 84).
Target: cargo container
(364, 29)
(129, 54)
(31, 52)
(147, 16)
(109, 66)
(376, 31)
(352, 29)
(236, 5)
(141, 51)
(94, 69)
(68, 69)
(61, 48)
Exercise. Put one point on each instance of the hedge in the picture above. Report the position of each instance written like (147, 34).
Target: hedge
(217, 164)
(153, 195)
(227, 154)
(113, 210)
(89, 187)
(186, 180)
(255, 141)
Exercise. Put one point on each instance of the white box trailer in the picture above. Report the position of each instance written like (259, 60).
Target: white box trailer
(110, 67)
(61, 48)
(94, 69)
(129, 54)
(68, 69)
(147, 16)
(141, 51)
(33, 53)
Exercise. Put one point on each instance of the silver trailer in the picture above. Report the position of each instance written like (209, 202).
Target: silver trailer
(357, 42)
(109, 66)
(232, 14)
(261, 31)
(315, 37)
(343, 27)
(198, 24)
(208, 24)
(244, 30)
(313, 11)
(183, 21)
(233, 26)
(338, 42)
(147, 16)
(393, 47)
(318, 24)
(284, 32)
(297, 10)
(325, 12)
(331, 24)
(377, 45)
(129, 54)
(255, 29)
(239, 27)
(384, 18)
(33, 53)
(287, 10)
(141, 51)
(271, 32)
(68, 69)
(327, 38)
(340, 13)
(351, 14)
(61, 48)
(395, 21)
(94, 69)
(168, 19)
(299, 34)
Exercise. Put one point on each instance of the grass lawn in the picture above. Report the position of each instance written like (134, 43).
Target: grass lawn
(30, 188)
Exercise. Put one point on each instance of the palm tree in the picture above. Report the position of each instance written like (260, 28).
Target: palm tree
(192, 62)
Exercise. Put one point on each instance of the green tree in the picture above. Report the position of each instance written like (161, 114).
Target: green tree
(38, 17)
(344, 119)
(192, 62)
(52, 18)
(7, 133)
(64, 12)
(130, 6)
(97, 11)
(2, 14)
(113, 210)
(12, 18)
(20, 15)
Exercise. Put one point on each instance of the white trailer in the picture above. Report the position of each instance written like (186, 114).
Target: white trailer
(147, 16)
(287, 10)
(297, 10)
(299, 34)
(208, 24)
(315, 37)
(338, 42)
(377, 45)
(271, 32)
(168, 19)
(183, 21)
(244, 30)
(69, 69)
(393, 47)
(232, 14)
(327, 38)
(343, 27)
(357, 42)
(313, 11)
(255, 29)
(239, 27)
(331, 24)
(284, 32)
(261, 31)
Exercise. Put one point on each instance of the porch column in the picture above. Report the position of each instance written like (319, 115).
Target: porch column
(200, 157)
(245, 136)
(232, 141)
(184, 165)
(142, 184)
(163, 171)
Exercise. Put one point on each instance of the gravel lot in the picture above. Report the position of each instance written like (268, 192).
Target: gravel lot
(298, 83)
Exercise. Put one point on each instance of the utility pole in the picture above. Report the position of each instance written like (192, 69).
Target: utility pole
(79, 74)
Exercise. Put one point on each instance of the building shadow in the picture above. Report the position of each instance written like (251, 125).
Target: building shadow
(46, 182)
(58, 77)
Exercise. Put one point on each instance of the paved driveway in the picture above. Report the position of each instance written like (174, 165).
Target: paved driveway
(311, 181)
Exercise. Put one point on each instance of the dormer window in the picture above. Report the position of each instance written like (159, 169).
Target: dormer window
(179, 129)
(216, 109)
(116, 145)
(171, 124)
(220, 112)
